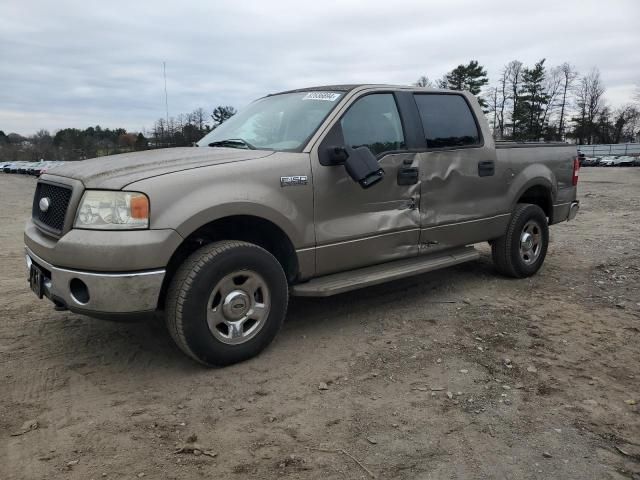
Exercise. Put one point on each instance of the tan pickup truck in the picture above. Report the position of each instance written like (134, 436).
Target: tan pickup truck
(310, 192)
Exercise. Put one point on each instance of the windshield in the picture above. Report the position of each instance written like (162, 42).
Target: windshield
(280, 122)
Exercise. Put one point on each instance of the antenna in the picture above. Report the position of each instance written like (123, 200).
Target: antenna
(166, 98)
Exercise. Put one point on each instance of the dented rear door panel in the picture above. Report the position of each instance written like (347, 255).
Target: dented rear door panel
(457, 206)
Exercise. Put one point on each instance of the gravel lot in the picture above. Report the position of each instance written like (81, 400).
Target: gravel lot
(454, 374)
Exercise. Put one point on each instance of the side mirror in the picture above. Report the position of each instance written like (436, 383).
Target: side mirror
(337, 155)
(362, 166)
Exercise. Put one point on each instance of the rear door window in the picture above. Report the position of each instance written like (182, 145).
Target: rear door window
(447, 121)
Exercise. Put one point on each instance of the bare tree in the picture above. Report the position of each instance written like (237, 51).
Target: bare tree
(568, 75)
(498, 98)
(514, 72)
(423, 82)
(42, 144)
(199, 119)
(160, 133)
(442, 83)
(589, 98)
(502, 100)
(552, 88)
(492, 98)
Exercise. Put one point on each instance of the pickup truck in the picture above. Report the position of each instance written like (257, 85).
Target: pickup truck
(309, 192)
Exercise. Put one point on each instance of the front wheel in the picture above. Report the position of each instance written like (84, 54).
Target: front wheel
(521, 251)
(226, 302)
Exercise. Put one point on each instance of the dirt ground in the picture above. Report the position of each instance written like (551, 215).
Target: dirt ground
(457, 374)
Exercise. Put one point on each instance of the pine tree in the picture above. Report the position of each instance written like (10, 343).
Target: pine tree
(221, 114)
(529, 113)
(141, 142)
(471, 77)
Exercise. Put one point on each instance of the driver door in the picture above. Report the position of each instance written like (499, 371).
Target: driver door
(356, 227)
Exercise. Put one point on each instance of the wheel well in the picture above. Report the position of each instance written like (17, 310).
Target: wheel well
(247, 228)
(541, 196)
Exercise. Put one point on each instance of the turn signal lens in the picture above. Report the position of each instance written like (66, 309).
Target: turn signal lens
(140, 207)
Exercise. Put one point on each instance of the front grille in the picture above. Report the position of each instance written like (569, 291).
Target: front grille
(59, 196)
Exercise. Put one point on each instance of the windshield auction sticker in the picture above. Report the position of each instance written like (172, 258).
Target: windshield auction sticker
(325, 96)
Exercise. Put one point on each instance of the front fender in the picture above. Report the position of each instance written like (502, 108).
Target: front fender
(189, 199)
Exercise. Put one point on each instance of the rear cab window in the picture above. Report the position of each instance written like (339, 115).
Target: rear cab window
(447, 120)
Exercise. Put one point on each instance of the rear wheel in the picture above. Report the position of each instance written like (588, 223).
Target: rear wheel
(226, 302)
(521, 251)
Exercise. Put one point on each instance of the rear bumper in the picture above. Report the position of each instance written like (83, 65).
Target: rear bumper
(100, 293)
(565, 212)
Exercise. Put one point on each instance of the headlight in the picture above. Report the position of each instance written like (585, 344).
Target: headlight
(112, 210)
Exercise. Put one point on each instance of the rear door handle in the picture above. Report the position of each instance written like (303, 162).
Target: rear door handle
(407, 175)
(486, 168)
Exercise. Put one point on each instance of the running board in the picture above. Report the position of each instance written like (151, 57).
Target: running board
(385, 272)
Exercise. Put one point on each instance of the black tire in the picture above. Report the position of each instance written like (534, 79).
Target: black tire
(192, 286)
(505, 250)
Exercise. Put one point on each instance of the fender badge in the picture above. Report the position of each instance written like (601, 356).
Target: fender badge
(294, 180)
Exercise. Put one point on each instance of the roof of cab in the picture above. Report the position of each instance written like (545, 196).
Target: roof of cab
(348, 87)
(323, 88)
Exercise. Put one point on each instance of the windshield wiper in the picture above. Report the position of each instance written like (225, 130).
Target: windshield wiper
(233, 143)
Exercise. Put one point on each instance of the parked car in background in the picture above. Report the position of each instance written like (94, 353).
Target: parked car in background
(590, 161)
(581, 157)
(15, 167)
(29, 168)
(48, 165)
(608, 161)
(624, 161)
(618, 161)
(36, 168)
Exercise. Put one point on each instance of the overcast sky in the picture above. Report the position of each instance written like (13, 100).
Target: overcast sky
(82, 63)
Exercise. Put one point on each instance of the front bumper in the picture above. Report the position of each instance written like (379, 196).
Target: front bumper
(104, 251)
(99, 293)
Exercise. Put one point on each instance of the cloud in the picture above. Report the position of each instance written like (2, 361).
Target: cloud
(78, 63)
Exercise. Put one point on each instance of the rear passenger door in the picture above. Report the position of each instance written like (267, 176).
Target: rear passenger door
(463, 187)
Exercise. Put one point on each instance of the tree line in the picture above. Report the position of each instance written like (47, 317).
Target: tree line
(71, 144)
(187, 128)
(532, 103)
(525, 103)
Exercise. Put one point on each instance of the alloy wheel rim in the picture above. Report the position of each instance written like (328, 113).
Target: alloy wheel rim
(238, 307)
(530, 242)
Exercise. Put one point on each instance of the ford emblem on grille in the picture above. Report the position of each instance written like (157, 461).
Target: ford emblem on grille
(44, 204)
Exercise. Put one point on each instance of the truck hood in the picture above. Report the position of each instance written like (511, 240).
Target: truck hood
(116, 171)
